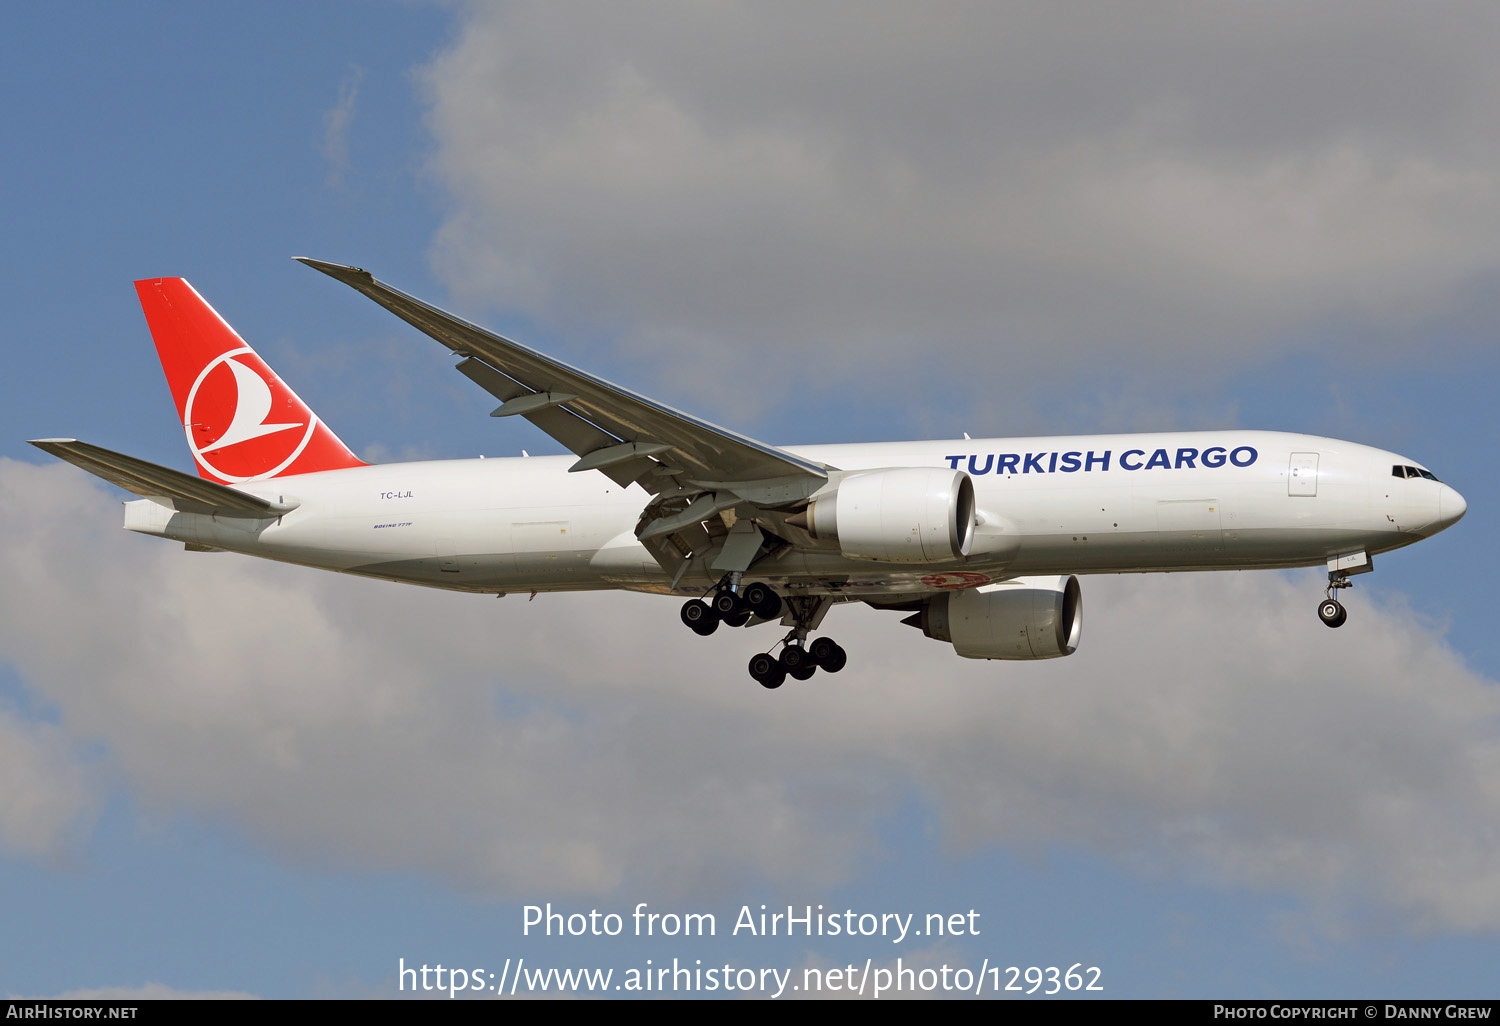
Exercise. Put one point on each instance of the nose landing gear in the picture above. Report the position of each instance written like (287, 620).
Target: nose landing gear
(1331, 611)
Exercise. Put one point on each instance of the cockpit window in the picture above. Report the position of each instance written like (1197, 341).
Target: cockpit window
(1429, 475)
(1404, 471)
(1413, 472)
(1398, 471)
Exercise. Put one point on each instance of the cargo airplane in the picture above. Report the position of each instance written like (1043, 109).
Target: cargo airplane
(980, 541)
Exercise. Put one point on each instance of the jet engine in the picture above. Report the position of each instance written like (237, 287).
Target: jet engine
(904, 515)
(1024, 618)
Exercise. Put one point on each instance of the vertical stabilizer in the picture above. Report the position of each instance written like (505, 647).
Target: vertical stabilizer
(241, 420)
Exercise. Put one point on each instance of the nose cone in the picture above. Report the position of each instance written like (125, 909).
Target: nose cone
(1451, 508)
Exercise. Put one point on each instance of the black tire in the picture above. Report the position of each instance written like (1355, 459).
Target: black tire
(794, 656)
(766, 671)
(803, 672)
(738, 619)
(1332, 612)
(706, 627)
(835, 662)
(695, 612)
(821, 649)
(725, 604)
(763, 602)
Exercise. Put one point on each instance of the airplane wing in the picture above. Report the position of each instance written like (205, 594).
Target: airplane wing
(186, 493)
(694, 470)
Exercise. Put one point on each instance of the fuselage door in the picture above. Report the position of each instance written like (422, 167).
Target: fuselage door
(1302, 475)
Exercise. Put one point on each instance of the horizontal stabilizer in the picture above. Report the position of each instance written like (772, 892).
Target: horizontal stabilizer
(183, 492)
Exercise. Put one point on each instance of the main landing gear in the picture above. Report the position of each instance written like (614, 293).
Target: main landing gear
(735, 607)
(730, 606)
(796, 661)
(1331, 611)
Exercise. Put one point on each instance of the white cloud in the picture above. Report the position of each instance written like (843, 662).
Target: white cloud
(46, 791)
(1210, 727)
(388, 727)
(727, 187)
(336, 124)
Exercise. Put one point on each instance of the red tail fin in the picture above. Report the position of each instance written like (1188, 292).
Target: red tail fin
(242, 421)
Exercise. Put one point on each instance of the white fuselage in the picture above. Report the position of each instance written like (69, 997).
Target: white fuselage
(1059, 505)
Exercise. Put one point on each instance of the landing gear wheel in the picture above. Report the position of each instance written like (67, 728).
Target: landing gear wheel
(697, 615)
(726, 604)
(828, 654)
(738, 619)
(794, 657)
(803, 672)
(766, 671)
(763, 602)
(1332, 612)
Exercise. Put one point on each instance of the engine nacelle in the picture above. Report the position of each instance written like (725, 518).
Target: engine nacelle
(1024, 618)
(904, 515)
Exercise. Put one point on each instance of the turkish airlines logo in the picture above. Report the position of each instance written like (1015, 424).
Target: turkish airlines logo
(956, 580)
(228, 407)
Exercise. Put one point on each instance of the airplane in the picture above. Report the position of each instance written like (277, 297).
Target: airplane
(980, 541)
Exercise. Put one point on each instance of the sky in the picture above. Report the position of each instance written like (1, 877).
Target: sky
(827, 223)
